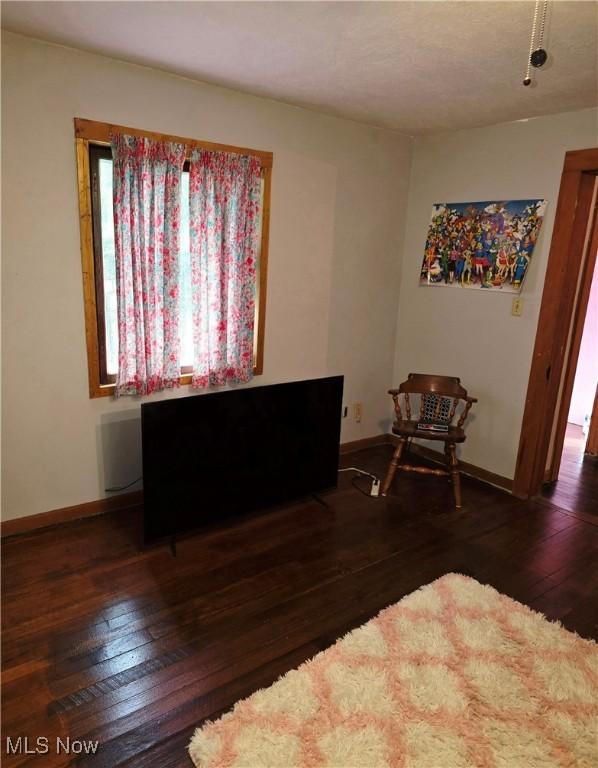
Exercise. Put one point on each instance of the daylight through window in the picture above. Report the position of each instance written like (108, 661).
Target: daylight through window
(95, 170)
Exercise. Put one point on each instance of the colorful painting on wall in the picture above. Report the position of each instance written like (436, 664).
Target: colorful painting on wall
(481, 245)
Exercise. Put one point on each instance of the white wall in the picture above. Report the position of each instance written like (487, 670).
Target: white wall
(338, 200)
(586, 375)
(472, 334)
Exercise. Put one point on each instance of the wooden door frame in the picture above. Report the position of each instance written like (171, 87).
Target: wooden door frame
(567, 266)
(572, 352)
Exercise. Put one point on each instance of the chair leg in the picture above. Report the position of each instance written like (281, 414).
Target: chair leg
(394, 465)
(455, 476)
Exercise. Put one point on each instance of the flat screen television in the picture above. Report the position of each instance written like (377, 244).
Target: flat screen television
(207, 457)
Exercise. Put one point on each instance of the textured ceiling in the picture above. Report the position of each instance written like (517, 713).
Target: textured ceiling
(416, 67)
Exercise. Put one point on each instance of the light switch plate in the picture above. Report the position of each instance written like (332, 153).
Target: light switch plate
(517, 307)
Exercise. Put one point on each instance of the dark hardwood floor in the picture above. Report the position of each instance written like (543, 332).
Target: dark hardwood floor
(577, 486)
(102, 640)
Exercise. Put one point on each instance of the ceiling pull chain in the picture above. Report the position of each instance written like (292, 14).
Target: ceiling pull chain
(537, 55)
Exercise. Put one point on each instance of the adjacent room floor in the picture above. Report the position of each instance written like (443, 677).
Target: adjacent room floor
(576, 487)
(135, 648)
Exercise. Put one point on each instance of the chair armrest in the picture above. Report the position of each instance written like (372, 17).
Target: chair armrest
(394, 391)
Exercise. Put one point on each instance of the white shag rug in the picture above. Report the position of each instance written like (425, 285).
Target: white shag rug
(455, 675)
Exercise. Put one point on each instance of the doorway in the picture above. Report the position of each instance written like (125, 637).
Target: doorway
(573, 475)
(565, 301)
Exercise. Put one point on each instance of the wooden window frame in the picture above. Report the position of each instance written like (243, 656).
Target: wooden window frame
(90, 133)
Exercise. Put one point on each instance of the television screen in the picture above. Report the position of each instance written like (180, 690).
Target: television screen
(206, 457)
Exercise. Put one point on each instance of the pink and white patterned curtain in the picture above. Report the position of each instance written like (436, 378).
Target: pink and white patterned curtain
(147, 177)
(224, 203)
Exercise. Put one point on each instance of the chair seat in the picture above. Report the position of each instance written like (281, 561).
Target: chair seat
(409, 429)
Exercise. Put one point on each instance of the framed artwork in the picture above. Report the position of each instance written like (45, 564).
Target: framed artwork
(486, 245)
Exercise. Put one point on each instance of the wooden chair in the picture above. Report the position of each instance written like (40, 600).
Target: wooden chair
(440, 396)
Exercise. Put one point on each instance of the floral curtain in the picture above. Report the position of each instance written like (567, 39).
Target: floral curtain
(146, 183)
(224, 202)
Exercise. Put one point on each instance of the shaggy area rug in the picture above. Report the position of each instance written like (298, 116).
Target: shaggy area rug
(455, 675)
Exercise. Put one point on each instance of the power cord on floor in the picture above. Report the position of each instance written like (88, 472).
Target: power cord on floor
(354, 483)
(375, 487)
(123, 487)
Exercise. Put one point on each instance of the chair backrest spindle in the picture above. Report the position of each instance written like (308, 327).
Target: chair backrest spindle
(453, 409)
(465, 411)
(397, 402)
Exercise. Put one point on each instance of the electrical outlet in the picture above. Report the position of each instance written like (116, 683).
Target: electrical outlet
(517, 307)
(357, 411)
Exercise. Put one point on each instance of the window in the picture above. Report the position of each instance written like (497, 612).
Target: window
(100, 164)
(94, 162)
